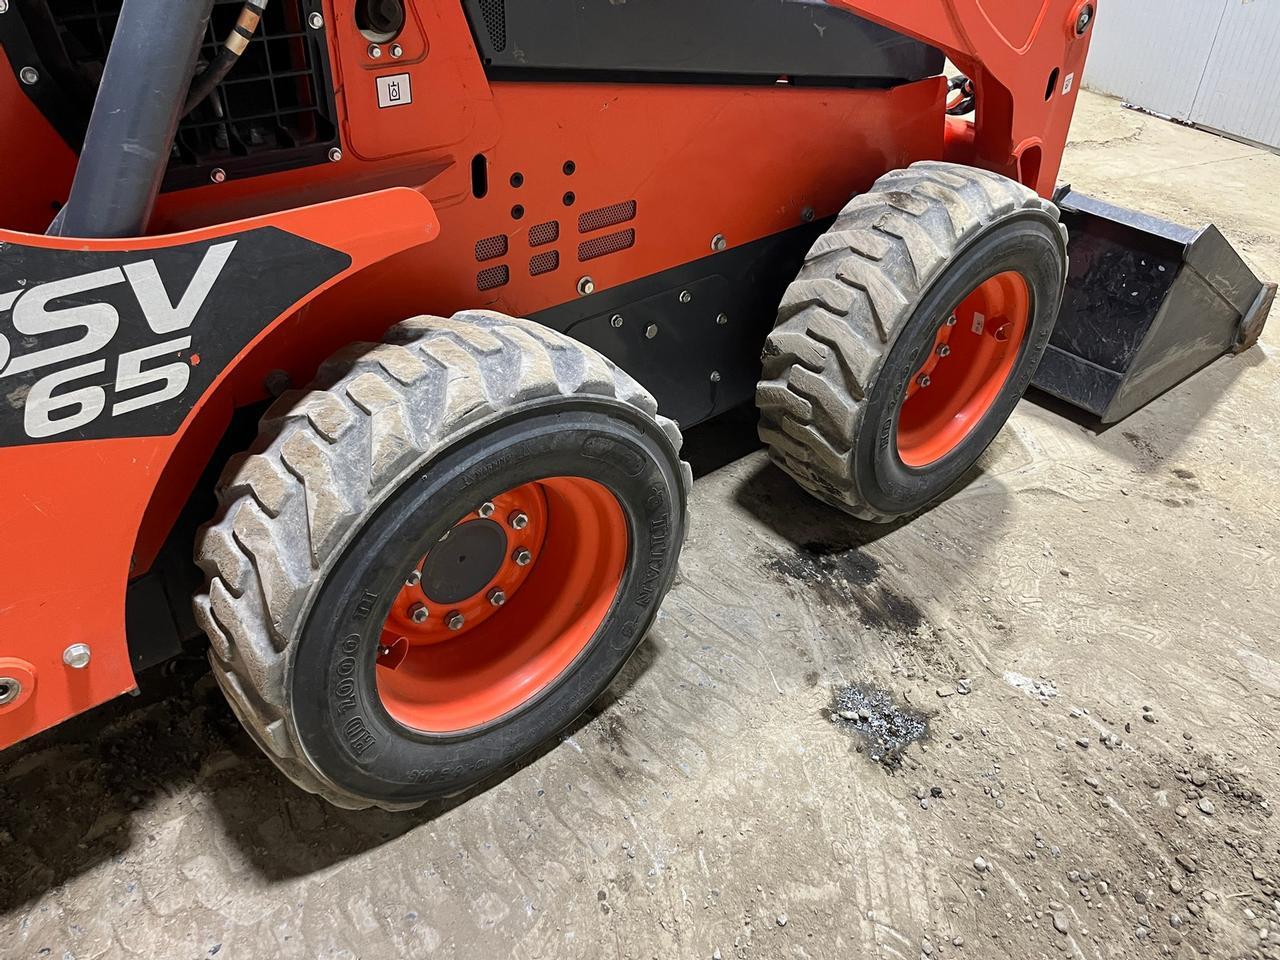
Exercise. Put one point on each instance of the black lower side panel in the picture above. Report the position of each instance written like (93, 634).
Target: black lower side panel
(692, 334)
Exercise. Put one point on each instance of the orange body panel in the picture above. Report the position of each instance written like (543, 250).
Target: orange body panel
(700, 161)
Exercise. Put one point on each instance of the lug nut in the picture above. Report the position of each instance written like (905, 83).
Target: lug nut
(951, 320)
(418, 613)
(497, 597)
(413, 579)
(76, 656)
(455, 620)
(486, 509)
(518, 520)
(924, 380)
(522, 557)
(944, 350)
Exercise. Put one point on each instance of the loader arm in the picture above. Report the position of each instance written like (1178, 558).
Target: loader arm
(1025, 58)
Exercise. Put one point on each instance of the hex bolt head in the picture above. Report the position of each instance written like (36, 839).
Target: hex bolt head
(217, 175)
(454, 620)
(722, 319)
(944, 350)
(397, 51)
(586, 286)
(685, 296)
(718, 242)
(375, 51)
(76, 656)
(4, 6)
(335, 154)
(29, 75)
(923, 380)
(497, 597)
(486, 509)
(413, 579)
(715, 376)
(315, 21)
(522, 557)
(418, 613)
(615, 321)
(518, 520)
(651, 331)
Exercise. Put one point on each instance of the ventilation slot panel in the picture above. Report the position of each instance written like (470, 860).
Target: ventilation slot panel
(609, 216)
(542, 233)
(495, 22)
(543, 262)
(491, 247)
(603, 246)
(492, 277)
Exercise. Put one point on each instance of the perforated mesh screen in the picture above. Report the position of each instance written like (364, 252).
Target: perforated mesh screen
(544, 233)
(609, 243)
(609, 216)
(495, 21)
(492, 277)
(491, 247)
(543, 263)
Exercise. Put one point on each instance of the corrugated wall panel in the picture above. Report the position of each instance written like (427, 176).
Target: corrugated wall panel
(1153, 52)
(1240, 93)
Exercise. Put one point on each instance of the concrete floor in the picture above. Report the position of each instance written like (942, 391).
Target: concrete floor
(1104, 788)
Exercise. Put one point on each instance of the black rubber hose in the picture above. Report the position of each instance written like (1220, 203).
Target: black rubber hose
(228, 54)
(126, 148)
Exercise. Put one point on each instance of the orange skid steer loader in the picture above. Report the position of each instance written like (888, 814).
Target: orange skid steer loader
(388, 315)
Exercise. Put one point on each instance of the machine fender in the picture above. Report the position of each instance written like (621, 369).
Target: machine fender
(109, 352)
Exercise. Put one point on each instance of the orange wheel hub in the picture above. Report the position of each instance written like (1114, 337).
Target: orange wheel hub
(967, 367)
(502, 604)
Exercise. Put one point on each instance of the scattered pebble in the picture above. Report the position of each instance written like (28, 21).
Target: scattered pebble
(1060, 923)
(981, 865)
(1206, 806)
(782, 919)
(1185, 862)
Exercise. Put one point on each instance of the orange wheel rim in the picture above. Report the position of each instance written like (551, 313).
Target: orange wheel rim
(502, 605)
(968, 365)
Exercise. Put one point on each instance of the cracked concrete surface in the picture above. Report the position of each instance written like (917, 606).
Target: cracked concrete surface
(1089, 626)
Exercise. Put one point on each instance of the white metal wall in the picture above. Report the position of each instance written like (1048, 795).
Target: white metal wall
(1214, 62)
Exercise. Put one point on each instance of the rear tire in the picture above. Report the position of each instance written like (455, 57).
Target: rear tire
(857, 327)
(353, 482)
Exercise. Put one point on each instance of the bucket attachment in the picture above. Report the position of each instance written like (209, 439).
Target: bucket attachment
(1147, 304)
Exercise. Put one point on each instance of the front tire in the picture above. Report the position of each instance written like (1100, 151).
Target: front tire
(910, 334)
(439, 556)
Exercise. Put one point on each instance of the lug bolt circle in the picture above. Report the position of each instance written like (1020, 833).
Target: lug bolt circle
(497, 597)
(518, 520)
(486, 509)
(522, 557)
(455, 620)
(418, 613)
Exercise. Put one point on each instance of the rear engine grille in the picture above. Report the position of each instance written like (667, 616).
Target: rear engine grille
(543, 262)
(274, 110)
(492, 277)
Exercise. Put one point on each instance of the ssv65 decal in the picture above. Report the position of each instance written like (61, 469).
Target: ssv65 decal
(123, 344)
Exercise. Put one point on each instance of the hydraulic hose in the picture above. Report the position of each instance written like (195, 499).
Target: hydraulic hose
(235, 44)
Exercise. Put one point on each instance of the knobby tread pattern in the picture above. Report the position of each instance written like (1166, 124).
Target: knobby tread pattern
(326, 456)
(838, 320)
